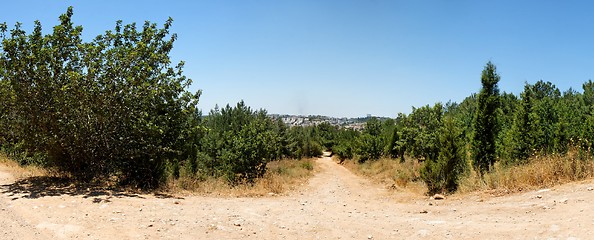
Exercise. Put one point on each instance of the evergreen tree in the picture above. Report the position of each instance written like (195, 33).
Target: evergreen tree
(522, 128)
(443, 173)
(485, 122)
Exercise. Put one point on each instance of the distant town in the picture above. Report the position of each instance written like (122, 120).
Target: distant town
(299, 120)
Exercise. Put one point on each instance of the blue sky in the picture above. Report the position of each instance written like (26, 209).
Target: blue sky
(351, 58)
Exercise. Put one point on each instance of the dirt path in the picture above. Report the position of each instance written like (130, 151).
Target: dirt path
(334, 205)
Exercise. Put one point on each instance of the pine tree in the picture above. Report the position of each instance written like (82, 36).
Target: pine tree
(485, 122)
(523, 141)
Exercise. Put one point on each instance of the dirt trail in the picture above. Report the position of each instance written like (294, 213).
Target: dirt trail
(335, 204)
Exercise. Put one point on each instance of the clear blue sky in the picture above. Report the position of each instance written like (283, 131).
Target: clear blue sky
(351, 58)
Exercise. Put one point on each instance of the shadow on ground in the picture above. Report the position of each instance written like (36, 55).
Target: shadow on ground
(44, 186)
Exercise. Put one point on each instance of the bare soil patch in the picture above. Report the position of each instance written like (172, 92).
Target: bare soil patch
(333, 204)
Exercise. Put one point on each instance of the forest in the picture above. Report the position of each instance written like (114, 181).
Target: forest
(117, 107)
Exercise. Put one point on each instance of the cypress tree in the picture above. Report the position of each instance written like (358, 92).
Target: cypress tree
(485, 122)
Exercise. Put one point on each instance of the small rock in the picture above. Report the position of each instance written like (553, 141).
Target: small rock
(543, 190)
(271, 194)
(369, 237)
(438, 197)
(237, 224)
(538, 196)
(150, 225)
(590, 188)
(424, 211)
(176, 202)
(430, 204)
(564, 201)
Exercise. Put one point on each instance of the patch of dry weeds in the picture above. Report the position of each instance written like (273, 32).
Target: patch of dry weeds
(281, 177)
(538, 172)
(19, 172)
(392, 173)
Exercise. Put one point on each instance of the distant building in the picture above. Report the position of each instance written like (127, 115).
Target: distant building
(304, 121)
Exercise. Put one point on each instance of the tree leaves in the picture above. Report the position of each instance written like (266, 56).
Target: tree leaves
(486, 126)
(113, 106)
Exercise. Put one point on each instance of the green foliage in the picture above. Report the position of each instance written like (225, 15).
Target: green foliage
(465, 113)
(545, 116)
(504, 140)
(113, 106)
(486, 125)
(327, 135)
(304, 142)
(524, 124)
(442, 174)
(396, 147)
(370, 143)
(307, 165)
(420, 131)
(117, 107)
(345, 144)
(543, 122)
(238, 142)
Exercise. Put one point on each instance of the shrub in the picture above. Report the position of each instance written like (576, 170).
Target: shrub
(238, 143)
(370, 143)
(443, 173)
(111, 107)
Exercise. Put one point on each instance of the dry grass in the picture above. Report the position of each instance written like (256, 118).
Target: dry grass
(281, 176)
(390, 172)
(20, 172)
(538, 172)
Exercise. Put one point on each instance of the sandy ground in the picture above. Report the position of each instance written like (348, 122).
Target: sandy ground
(335, 204)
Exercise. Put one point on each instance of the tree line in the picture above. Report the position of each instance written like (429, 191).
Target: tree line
(117, 107)
(483, 129)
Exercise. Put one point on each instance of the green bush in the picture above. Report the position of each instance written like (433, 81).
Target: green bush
(110, 107)
(304, 142)
(307, 165)
(238, 143)
(346, 144)
(370, 144)
(442, 174)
